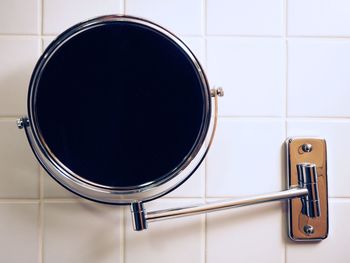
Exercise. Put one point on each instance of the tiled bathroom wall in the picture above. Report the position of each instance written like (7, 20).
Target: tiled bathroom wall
(285, 68)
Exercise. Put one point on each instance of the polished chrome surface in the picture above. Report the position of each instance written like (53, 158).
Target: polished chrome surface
(217, 91)
(227, 204)
(307, 147)
(310, 167)
(22, 122)
(139, 221)
(307, 177)
(91, 190)
(309, 230)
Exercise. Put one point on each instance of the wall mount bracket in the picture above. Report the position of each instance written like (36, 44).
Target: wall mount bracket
(306, 193)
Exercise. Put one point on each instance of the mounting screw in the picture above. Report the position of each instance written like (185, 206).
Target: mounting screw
(309, 230)
(307, 147)
(22, 122)
(220, 92)
(217, 91)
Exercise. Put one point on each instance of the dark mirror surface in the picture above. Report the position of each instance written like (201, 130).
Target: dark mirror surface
(120, 105)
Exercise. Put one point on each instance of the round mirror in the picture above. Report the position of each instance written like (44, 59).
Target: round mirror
(118, 110)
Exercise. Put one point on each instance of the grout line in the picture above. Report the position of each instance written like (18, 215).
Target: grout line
(42, 18)
(205, 55)
(286, 57)
(247, 117)
(122, 235)
(122, 7)
(204, 238)
(319, 37)
(74, 200)
(79, 199)
(243, 36)
(182, 197)
(204, 17)
(251, 117)
(3, 35)
(319, 117)
(20, 201)
(204, 37)
(346, 198)
(205, 176)
(10, 118)
(64, 200)
(286, 75)
(195, 35)
(305, 118)
(39, 16)
(41, 216)
(41, 45)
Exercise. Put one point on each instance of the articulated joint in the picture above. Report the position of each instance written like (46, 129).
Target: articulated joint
(138, 214)
(307, 177)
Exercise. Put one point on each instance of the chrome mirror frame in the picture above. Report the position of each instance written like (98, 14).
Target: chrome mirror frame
(100, 193)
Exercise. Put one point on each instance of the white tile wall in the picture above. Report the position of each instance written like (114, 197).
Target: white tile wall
(335, 248)
(59, 15)
(181, 16)
(19, 17)
(19, 228)
(18, 56)
(52, 189)
(252, 72)
(319, 17)
(284, 67)
(249, 17)
(250, 234)
(319, 78)
(81, 231)
(178, 240)
(193, 187)
(244, 162)
(197, 46)
(19, 171)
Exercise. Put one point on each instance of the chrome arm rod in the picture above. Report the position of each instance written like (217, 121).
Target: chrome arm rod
(221, 205)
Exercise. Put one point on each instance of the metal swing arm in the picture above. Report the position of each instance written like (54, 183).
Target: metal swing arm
(306, 194)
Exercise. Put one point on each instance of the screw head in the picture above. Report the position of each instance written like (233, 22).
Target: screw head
(220, 92)
(307, 147)
(217, 91)
(309, 230)
(20, 124)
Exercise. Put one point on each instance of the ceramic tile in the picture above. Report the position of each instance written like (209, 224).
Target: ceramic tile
(245, 158)
(171, 241)
(197, 46)
(47, 41)
(62, 14)
(318, 77)
(249, 17)
(336, 133)
(19, 171)
(52, 189)
(319, 17)
(181, 16)
(18, 56)
(19, 233)
(245, 235)
(193, 187)
(251, 71)
(333, 249)
(19, 17)
(81, 232)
